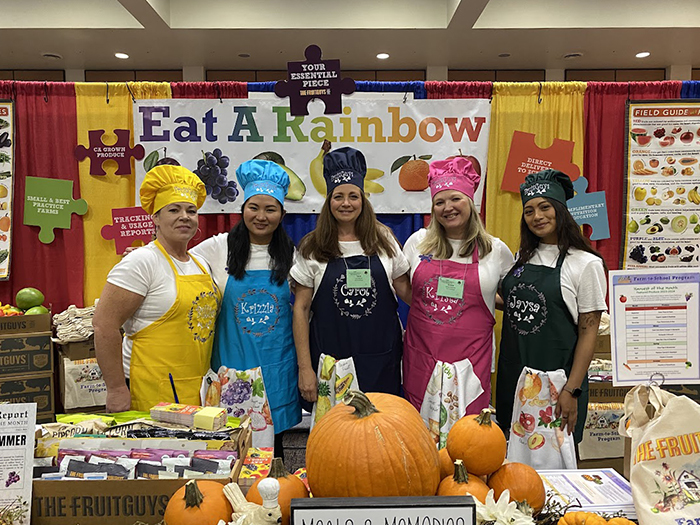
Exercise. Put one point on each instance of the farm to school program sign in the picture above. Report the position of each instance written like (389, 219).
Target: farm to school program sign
(383, 128)
(662, 221)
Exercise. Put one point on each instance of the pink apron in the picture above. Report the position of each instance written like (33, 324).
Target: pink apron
(447, 330)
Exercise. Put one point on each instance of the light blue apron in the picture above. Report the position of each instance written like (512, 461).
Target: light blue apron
(254, 328)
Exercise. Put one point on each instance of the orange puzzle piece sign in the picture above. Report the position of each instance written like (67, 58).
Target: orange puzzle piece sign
(526, 157)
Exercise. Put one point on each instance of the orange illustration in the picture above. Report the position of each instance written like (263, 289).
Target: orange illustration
(414, 175)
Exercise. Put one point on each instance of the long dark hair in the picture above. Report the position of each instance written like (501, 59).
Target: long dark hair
(568, 235)
(322, 243)
(281, 250)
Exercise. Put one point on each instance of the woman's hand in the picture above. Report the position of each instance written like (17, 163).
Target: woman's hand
(308, 384)
(567, 409)
(118, 400)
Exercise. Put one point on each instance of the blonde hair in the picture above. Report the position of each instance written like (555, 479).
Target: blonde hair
(474, 235)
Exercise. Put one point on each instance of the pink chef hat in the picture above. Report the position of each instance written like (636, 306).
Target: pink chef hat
(456, 173)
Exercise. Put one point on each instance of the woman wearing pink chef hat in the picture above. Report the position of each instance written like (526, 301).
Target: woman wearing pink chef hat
(456, 268)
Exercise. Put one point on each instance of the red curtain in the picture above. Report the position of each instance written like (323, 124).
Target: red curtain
(458, 89)
(221, 222)
(209, 89)
(45, 137)
(604, 150)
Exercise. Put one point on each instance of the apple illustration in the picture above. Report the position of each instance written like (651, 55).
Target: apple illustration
(623, 299)
(518, 429)
(687, 137)
(470, 158)
(527, 421)
(667, 141)
(535, 441)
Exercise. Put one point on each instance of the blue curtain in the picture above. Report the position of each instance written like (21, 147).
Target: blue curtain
(690, 89)
(403, 225)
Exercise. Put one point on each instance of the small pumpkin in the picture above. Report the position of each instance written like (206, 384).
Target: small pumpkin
(581, 518)
(198, 501)
(372, 445)
(620, 521)
(479, 443)
(462, 482)
(447, 466)
(290, 487)
(523, 482)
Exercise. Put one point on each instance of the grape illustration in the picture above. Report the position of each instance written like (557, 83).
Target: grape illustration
(237, 392)
(12, 477)
(212, 169)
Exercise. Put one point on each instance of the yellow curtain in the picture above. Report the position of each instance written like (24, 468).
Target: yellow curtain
(549, 110)
(109, 107)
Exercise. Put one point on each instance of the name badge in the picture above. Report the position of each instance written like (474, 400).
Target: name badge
(452, 288)
(358, 278)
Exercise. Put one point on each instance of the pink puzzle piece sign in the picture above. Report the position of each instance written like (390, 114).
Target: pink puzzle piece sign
(526, 157)
(129, 225)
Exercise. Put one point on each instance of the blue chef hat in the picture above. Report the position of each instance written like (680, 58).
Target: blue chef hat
(344, 166)
(263, 177)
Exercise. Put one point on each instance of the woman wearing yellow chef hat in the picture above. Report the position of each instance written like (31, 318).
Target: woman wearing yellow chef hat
(164, 298)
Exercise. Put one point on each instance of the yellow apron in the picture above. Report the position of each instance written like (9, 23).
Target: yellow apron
(179, 343)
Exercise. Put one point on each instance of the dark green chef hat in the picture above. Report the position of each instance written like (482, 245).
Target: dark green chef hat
(548, 183)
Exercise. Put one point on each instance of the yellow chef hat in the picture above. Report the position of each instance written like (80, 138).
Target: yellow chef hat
(166, 184)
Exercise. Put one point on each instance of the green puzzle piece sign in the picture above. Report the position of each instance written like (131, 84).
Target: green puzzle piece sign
(49, 203)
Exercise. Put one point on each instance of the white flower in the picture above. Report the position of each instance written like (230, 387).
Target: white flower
(501, 512)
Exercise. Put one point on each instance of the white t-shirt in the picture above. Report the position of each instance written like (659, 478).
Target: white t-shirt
(583, 282)
(146, 272)
(214, 251)
(309, 272)
(492, 268)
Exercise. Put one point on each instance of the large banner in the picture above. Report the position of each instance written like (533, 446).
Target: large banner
(663, 179)
(398, 136)
(7, 162)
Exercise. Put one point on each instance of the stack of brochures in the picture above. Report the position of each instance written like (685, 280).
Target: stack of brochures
(207, 418)
(603, 491)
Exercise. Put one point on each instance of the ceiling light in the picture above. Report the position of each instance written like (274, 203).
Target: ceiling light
(643, 54)
(504, 55)
(244, 55)
(570, 56)
(123, 56)
(52, 56)
(383, 56)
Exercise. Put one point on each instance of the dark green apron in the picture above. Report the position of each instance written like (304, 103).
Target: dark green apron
(538, 332)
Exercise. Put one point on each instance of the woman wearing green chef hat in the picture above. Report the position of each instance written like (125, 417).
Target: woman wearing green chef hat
(553, 298)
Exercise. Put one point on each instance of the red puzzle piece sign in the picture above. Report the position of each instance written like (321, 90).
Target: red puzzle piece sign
(526, 157)
(120, 152)
(130, 224)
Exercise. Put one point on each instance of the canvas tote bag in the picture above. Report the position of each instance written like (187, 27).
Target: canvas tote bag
(665, 459)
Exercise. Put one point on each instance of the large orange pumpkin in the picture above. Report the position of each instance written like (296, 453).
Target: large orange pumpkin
(290, 487)
(479, 443)
(461, 483)
(372, 445)
(447, 466)
(523, 482)
(198, 501)
(620, 521)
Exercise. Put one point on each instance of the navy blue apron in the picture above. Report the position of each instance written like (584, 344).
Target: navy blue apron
(254, 328)
(361, 323)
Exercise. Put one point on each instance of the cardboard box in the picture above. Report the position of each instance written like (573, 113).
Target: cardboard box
(113, 502)
(23, 354)
(79, 349)
(80, 383)
(29, 389)
(605, 392)
(24, 324)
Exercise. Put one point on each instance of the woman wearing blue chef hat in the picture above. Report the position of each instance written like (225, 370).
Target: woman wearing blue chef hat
(250, 264)
(347, 273)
